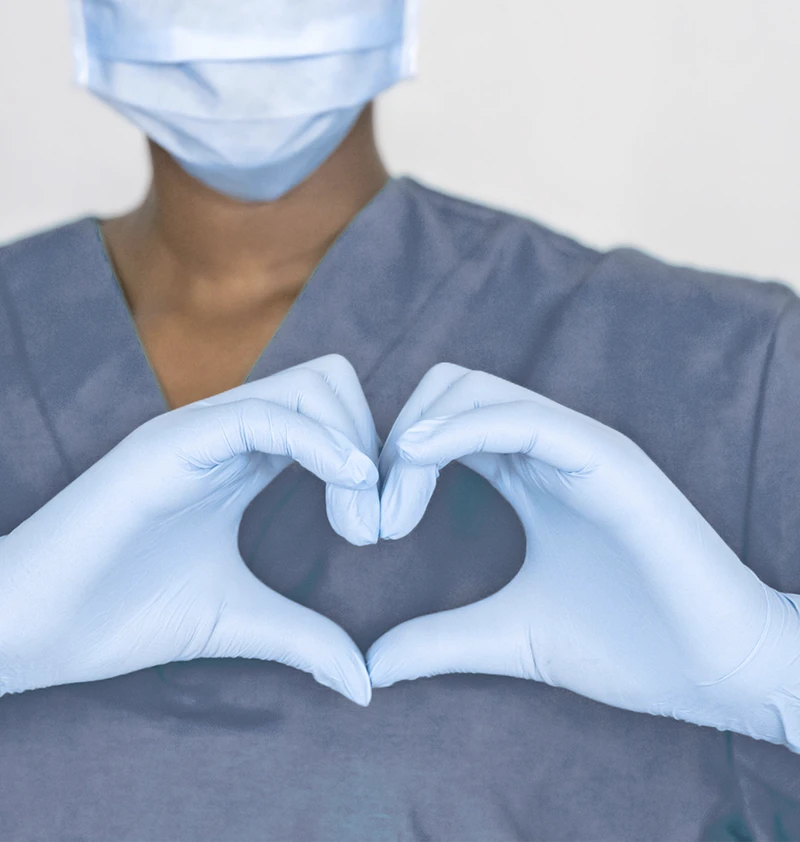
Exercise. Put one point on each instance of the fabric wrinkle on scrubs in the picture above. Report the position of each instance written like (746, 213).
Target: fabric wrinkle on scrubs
(699, 368)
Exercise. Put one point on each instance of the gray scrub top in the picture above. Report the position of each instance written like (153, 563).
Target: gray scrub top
(701, 369)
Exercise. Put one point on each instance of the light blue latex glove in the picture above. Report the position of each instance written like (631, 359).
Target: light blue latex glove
(136, 562)
(626, 595)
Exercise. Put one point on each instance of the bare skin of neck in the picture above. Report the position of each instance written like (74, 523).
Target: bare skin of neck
(208, 279)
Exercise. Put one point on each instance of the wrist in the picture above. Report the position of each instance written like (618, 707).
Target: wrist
(762, 700)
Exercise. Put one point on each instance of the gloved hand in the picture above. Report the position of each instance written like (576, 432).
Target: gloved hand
(626, 596)
(136, 562)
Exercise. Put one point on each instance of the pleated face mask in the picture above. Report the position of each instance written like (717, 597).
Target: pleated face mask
(249, 96)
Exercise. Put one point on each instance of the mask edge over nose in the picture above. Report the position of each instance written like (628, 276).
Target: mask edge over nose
(220, 30)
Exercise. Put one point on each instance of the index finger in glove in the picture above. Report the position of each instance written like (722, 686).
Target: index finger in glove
(407, 489)
(211, 435)
(328, 391)
(325, 389)
(436, 382)
(445, 390)
(355, 515)
(342, 379)
(481, 413)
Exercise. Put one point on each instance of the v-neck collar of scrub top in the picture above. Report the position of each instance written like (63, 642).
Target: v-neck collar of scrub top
(343, 308)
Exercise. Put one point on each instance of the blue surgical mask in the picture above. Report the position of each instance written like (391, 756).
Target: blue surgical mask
(249, 96)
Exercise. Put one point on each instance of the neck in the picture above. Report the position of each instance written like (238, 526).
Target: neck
(186, 242)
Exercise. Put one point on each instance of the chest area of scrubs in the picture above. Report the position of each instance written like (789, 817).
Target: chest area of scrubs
(237, 749)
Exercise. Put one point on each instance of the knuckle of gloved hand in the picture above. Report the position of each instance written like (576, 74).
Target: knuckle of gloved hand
(306, 381)
(444, 371)
(529, 656)
(151, 448)
(283, 432)
(214, 635)
(626, 455)
(607, 442)
(249, 414)
(155, 428)
(338, 367)
(479, 382)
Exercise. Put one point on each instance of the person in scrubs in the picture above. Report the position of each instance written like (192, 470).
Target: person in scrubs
(272, 236)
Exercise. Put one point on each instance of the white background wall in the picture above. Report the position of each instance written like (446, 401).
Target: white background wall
(671, 125)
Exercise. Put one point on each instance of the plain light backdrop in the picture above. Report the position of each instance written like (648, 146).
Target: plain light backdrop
(669, 125)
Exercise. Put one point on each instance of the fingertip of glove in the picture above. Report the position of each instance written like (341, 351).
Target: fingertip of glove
(363, 540)
(391, 534)
(363, 697)
(360, 470)
(409, 451)
(413, 443)
(354, 514)
(388, 529)
(379, 679)
(361, 694)
(358, 534)
(359, 688)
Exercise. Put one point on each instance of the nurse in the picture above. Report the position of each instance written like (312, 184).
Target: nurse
(588, 485)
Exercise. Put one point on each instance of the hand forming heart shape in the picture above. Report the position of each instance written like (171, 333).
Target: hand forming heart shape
(626, 595)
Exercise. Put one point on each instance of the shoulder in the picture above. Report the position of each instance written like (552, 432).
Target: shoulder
(638, 274)
(472, 228)
(623, 279)
(45, 250)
